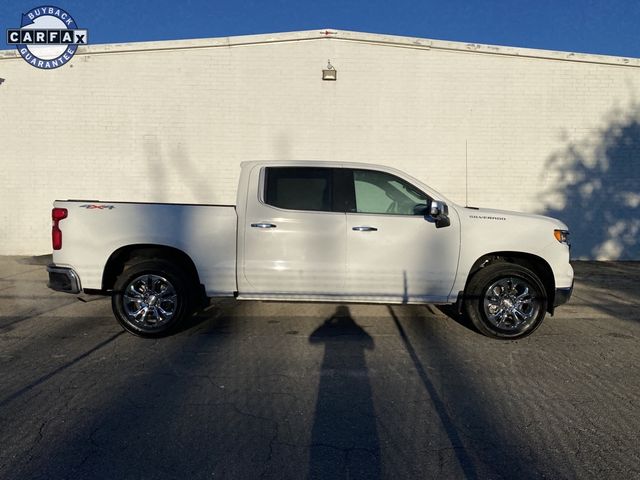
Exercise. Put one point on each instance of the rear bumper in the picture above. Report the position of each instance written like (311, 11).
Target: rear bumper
(63, 279)
(562, 295)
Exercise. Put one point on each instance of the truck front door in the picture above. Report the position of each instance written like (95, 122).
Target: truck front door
(393, 252)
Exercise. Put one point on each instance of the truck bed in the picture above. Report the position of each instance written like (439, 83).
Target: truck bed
(95, 230)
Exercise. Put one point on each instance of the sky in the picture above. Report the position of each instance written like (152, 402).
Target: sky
(587, 26)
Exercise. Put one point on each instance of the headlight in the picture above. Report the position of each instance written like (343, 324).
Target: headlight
(562, 236)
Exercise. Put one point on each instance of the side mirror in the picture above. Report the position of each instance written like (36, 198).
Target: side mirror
(436, 208)
(439, 211)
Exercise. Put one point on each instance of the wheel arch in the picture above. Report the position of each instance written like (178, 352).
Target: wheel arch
(123, 255)
(536, 264)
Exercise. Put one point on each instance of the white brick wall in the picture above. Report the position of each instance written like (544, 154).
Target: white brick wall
(170, 121)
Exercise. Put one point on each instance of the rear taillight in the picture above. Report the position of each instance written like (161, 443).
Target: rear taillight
(57, 214)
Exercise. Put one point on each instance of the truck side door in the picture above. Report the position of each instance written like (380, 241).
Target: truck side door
(394, 253)
(295, 240)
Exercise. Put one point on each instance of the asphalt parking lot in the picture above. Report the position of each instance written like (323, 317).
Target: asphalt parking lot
(281, 390)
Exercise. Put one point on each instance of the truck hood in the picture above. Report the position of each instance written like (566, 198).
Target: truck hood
(490, 214)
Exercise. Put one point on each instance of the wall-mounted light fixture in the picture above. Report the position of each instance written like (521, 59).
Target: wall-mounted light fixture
(329, 73)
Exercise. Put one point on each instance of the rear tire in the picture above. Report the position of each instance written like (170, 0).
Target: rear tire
(505, 301)
(151, 297)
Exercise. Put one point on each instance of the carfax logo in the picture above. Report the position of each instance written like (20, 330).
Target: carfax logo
(48, 37)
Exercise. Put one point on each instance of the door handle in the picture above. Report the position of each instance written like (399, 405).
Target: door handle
(263, 225)
(365, 229)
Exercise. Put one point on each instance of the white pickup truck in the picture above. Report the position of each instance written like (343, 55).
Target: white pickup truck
(314, 231)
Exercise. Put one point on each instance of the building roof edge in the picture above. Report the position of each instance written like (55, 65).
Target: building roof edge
(346, 35)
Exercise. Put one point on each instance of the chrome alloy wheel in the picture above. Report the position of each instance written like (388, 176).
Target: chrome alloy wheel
(510, 303)
(150, 301)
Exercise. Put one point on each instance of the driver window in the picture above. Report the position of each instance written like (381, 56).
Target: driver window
(379, 192)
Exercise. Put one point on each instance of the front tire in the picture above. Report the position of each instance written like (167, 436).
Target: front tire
(151, 298)
(505, 301)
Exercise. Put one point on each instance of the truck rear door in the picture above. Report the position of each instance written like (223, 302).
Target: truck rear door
(295, 233)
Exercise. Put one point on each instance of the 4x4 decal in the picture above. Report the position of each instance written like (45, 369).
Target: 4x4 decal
(92, 206)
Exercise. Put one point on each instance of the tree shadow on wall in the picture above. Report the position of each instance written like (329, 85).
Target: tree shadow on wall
(597, 189)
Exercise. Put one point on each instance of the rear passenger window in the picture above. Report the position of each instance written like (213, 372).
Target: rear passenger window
(299, 188)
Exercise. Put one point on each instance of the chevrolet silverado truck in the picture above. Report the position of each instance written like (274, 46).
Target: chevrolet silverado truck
(314, 231)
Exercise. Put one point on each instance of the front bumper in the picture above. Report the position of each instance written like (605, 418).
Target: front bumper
(562, 295)
(63, 279)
